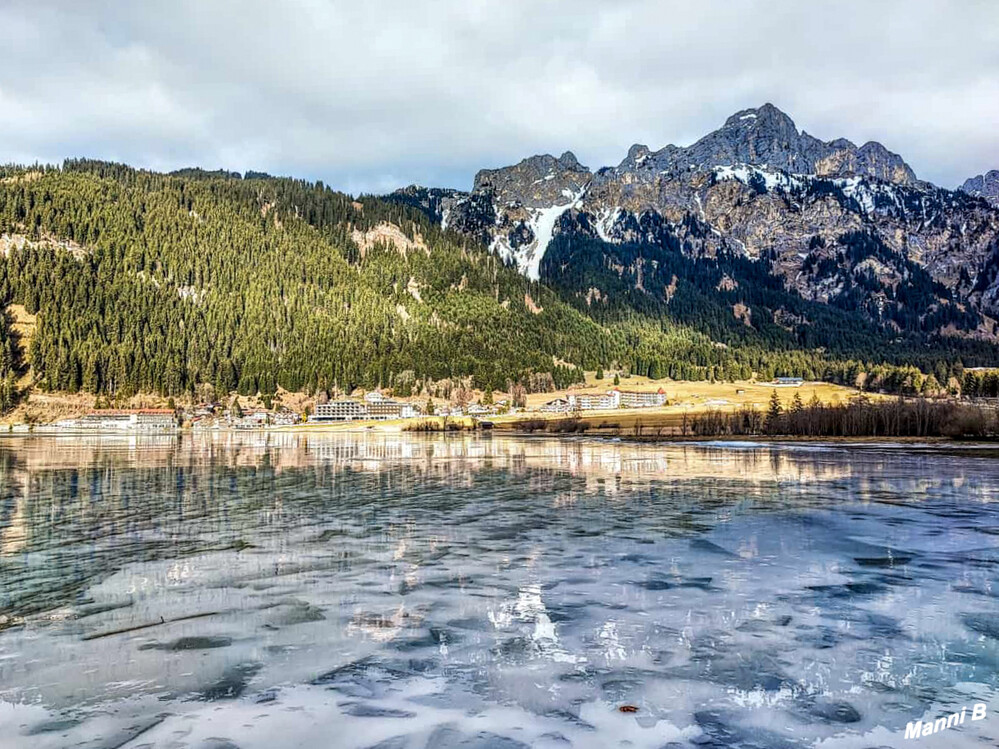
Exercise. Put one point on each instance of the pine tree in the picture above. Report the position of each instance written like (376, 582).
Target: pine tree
(774, 412)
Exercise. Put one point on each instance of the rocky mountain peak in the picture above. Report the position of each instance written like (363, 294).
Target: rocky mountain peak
(536, 182)
(983, 186)
(757, 187)
(877, 161)
(768, 116)
(515, 209)
(638, 155)
(767, 137)
(764, 136)
(842, 144)
(568, 160)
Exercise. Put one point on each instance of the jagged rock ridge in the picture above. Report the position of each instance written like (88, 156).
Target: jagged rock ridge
(760, 188)
(767, 137)
(983, 186)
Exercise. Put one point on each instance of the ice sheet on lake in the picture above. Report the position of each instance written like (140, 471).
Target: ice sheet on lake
(410, 592)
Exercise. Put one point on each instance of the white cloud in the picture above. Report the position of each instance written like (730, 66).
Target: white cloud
(371, 95)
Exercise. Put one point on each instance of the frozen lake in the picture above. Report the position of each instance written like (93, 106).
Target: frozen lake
(401, 592)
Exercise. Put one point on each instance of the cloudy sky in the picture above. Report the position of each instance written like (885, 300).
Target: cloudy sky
(369, 95)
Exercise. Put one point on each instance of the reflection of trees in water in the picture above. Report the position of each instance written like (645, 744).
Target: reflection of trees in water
(445, 455)
(79, 509)
(13, 530)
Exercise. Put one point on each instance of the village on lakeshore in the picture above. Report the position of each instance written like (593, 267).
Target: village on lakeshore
(636, 398)
(615, 403)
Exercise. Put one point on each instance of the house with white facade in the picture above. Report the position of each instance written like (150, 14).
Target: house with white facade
(631, 399)
(375, 407)
(557, 406)
(602, 402)
(130, 419)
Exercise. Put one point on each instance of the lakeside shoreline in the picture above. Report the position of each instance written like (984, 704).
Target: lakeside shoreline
(382, 429)
(733, 412)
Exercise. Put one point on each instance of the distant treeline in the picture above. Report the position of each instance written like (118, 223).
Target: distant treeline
(981, 384)
(860, 417)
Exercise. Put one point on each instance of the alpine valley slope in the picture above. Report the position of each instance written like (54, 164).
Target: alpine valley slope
(197, 284)
(201, 283)
(759, 250)
(744, 225)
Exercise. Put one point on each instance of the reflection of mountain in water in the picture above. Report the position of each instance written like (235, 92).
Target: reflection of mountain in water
(122, 484)
(379, 577)
(381, 452)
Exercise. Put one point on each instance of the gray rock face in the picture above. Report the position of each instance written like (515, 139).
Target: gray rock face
(515, 209)
(986, 291)
(757, 186)
(767, 137)
(762, 137)
(983, 186)
(536, 182)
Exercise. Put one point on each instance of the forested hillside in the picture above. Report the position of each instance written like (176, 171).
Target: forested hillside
(163, 283)
(9, 361)
(201, 284)
(171, 283)
(740, 302)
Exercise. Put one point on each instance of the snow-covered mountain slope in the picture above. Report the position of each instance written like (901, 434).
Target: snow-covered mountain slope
(757, 187)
